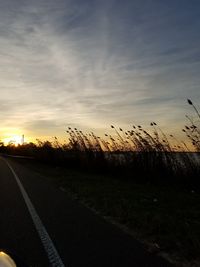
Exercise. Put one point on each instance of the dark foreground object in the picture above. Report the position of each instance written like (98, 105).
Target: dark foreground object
(80, 237)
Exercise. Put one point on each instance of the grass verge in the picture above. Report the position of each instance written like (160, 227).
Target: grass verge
(165, 218)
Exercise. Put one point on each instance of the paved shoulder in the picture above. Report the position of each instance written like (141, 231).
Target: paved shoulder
(81, 237)
(17, 232)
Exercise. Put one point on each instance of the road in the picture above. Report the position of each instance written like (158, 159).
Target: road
(43, 226)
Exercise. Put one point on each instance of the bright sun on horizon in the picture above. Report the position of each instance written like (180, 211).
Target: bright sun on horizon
(14, 139)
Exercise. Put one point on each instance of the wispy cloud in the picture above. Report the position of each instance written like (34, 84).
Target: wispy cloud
(90, 63)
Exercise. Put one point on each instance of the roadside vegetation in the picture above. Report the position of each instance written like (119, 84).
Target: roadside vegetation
(136, 154)
(165, 218)
(145, 180)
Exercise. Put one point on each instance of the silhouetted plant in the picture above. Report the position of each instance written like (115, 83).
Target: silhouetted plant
(138, 153)
(192, 130)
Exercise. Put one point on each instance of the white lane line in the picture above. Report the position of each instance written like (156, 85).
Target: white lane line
(49, 247)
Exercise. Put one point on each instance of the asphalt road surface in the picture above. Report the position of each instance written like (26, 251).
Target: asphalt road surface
(39, 223)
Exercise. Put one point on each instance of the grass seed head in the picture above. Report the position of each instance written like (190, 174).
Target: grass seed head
(189, 102)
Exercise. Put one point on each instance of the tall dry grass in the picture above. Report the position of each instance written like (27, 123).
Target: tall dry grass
(137, 153)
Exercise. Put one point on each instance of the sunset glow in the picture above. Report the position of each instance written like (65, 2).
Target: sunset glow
(13, 139)
(89, 64)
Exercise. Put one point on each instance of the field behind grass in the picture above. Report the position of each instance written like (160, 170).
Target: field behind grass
(165, 218)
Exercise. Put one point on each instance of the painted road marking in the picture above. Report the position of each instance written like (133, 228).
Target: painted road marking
(49, 247)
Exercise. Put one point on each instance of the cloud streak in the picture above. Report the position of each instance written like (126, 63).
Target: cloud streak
(90, 63)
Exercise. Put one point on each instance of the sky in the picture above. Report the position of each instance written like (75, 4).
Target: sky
(92, 63)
